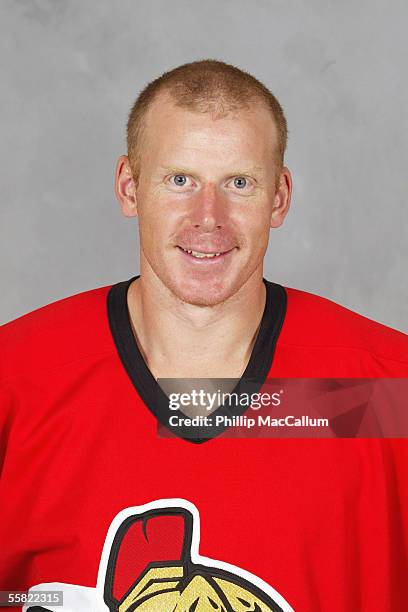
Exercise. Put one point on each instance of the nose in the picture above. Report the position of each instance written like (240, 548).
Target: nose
(208, 210)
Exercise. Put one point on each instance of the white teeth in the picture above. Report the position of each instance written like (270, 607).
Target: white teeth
(201, 255)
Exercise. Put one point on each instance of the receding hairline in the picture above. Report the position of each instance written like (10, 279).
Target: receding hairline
(216, 109)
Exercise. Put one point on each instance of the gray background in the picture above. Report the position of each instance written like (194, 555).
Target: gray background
(70, 71)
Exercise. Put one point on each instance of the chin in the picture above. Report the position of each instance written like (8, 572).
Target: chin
(202, 294)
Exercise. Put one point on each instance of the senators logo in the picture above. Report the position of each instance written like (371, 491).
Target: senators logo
(151, 563)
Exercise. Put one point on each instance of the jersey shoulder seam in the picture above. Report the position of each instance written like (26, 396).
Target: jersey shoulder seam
(12, 378)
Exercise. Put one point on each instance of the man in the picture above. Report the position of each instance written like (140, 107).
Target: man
(103, 506)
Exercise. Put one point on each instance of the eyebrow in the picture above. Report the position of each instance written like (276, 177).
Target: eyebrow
(177, 169)
(237, 172)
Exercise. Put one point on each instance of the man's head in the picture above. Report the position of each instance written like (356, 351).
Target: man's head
(205, 175)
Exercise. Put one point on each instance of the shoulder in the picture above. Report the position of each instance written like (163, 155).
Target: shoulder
(61, 332)
(314, 321)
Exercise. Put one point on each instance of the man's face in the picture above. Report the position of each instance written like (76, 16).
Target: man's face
(205, 197)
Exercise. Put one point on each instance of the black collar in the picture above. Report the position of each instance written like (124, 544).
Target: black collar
(149, 390)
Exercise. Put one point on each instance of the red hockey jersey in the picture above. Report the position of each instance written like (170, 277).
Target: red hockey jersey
(93, 499)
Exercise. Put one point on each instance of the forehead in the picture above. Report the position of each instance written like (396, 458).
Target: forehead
(171, 131)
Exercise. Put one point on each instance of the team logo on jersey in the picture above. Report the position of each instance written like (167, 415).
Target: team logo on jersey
(151, 563)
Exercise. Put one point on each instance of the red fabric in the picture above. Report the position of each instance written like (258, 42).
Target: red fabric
(163, 542)
(322, 521)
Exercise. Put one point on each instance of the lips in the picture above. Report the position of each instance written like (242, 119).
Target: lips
(204, 255)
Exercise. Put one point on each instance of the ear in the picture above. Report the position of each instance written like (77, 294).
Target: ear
(125, 187)
(282, 198)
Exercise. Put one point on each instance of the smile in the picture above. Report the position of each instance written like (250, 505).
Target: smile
(202, 255)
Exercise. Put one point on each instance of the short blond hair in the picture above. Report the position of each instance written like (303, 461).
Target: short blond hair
(204, 86)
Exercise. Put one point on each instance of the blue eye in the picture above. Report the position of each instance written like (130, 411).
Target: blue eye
(240, 182)
(179, 180)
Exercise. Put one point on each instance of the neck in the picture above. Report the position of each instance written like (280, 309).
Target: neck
(181, 340)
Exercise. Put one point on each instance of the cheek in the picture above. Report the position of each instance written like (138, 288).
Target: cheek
(255, 227)
(155, 221)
